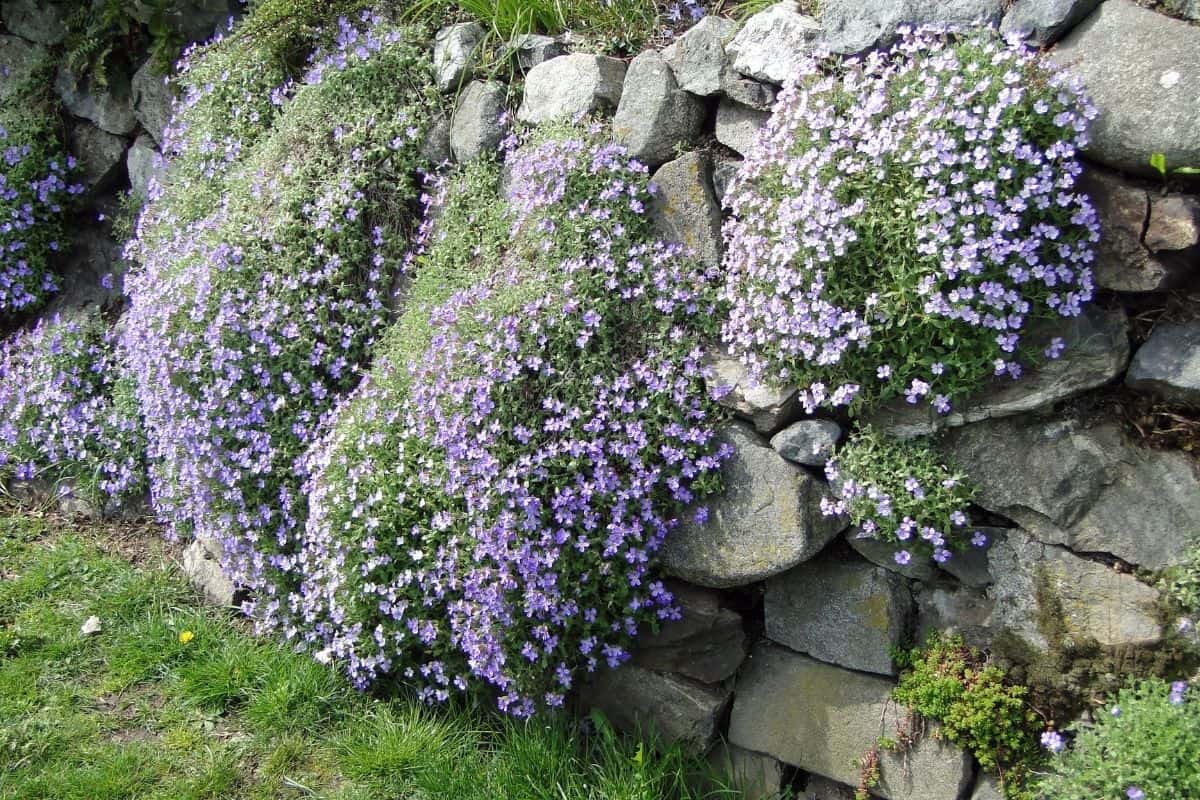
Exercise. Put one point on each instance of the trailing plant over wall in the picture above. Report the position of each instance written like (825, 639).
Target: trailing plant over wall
(903, 493)
(486, 508)
(904, 218)
(267, 261)
(67, 411)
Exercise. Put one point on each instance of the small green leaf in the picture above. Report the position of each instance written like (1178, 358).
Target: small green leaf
(1187, 171)
(1159, 162)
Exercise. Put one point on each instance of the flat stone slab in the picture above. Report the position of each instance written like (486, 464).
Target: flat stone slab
(1168, 364)
(853, 26)
(1042, 22)
(679, 710)
(708, 644)
(822, 719)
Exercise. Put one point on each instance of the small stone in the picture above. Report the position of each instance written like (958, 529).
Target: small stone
(1043, 22)
(93, 253)
(708, 644)
(773, 44)
(768, 407)
(854, 26)
(109, 108)
(685, 209)
(1174, 225)
(533, 49)
(845, 612)
(767, 520)
(101, 156)
(737, 126)
(36, 20)
(1124, 55)
(1168, 364)
(202, 565)
(698, 56)
(571, 86)
(151, 100)
(680, 711)
(655, 117)
(883, 554)
(1096, 352)
(822, 719)
(476, 127)
(91, 626)
(19, 62)
(455, 54)
(144, 164)
(753, 775)
(956, 611)
(749, 93)
(809, 441)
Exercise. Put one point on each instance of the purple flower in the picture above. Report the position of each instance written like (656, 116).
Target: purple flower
(1134, 793)
(903, 557)
(1053, 741)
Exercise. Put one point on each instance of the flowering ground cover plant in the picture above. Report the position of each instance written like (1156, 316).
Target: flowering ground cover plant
(67, 411)
(904, 218)
(266, 265)
(1144, 746)
(901, 492)
(35, 189)
(486, 509)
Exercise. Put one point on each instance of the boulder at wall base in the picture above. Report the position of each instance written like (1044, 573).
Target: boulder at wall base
(737, 125)
(679, 710)
(202, 565)
(1096, 352)
(772, 44)
(1044, 592)
(823, 718)
(708, 644)
(1151, 243)
(1168, 364)
(685, 208)
(767, 520)
(571, 86)
(1082, 486)
(1142, 70)
(853, 26)
(655, 117)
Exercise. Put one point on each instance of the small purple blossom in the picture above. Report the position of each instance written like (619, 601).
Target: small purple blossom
(1053, 741)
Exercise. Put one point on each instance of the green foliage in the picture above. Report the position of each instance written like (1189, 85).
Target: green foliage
(977, 708)
(1159, 162)
(102, 35)
(1180, 585)
(1144, 739)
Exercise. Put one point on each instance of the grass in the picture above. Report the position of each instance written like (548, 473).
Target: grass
(175, 701)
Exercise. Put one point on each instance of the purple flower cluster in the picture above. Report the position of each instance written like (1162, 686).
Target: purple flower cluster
(34, 186)
(902, 219)
(485, 512)
(900, 492)
(67, 411)
(266, 261)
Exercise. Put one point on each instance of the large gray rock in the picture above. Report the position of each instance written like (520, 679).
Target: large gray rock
(151, 100)
(679, 710)
(809, 441)
(767, 520)
(19, 61)
(768, 407)
(109, 108)
(101, 155)
(852, 26)
(708, 644)
(822, 719)
(1097, 351)
(753, 775)
(655, 117)
(883, 554)
(1142, 70)
(194, 20)
(571, 86)
(1168, 364)
(737, 125)
(476, 127)
(144, 164)
(455, 52)
(1150, 242)
(1083, 487)
(1084, 600)
(1043, 22)
(93, 254)
(698, 57)
(202, 565)
(972, 566)
(772, 44)
(842, 611)
(36, 20)
(685, 208)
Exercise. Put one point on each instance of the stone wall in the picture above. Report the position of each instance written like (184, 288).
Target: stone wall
(781, 666)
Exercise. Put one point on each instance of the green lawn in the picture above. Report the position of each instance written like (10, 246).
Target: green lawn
(177, 701)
